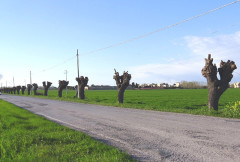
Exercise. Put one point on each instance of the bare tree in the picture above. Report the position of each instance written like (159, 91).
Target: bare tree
(216, 87)
(23, 89)
(122, 83)
(35, 87)
(46, 87)
(29, 87)
(18, 89)
(14, 90)
(82, 82)
(62, 85)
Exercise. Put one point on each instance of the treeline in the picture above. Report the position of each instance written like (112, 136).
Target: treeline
(193, 85)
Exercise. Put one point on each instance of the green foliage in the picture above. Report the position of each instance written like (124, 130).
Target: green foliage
(232, 110)
(28, 137)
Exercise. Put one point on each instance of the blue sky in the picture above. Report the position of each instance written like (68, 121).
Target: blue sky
(43, 36)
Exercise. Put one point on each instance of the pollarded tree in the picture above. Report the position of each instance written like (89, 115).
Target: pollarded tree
(216, 87)
(29, 87)
(35, 87)
(122, 83)
(23, 89)
(46, 87)
(14, 90)
(62, 85)
(18, 89)
(82, 82)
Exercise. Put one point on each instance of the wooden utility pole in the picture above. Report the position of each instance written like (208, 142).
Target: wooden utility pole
(31, 81)
(13, 82)
(78, 73)
(66, 81)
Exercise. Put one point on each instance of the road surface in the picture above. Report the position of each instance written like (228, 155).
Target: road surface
(146, 135)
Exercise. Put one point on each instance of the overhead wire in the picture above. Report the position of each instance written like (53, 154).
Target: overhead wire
(143, 35)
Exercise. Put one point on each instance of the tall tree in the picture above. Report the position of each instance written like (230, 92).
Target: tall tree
(216, 87)
(122, 83)
(82, 82)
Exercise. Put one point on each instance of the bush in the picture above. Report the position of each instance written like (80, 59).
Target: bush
(232, 110)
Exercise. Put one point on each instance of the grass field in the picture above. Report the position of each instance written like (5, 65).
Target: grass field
(192, 101)
(28, 137)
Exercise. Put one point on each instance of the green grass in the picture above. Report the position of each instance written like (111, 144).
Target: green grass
(192, 101)
(28, 137)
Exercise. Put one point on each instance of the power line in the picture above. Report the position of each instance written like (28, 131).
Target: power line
(144, 35)
(158, 30)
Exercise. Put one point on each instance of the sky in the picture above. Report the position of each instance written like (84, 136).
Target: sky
(43, 37)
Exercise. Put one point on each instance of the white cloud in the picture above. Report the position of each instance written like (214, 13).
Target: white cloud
(222, 47)
(168, 72)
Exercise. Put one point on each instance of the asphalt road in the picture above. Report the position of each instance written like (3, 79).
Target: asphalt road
(146, 135)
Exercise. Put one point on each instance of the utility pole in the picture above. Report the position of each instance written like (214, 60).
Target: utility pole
(6, 83)
(66, 80)
(13, 82)
(31, 80)
(78, 72)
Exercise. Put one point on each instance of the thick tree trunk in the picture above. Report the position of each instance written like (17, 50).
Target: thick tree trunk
(18, 89)
(46, 87)
(82, 83)
(121, 95)
(35, 87)
(122, 83)
(217, 87)
(60, 92)
(62, 85)
(213, 98)
(23, 89)
(29, 87)
(82, 95)
(45, 91)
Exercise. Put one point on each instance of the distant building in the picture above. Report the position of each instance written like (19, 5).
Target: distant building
(177, 85)
(236, 85)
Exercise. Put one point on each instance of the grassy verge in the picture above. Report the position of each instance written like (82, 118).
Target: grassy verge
(28, 137)
(191, 101)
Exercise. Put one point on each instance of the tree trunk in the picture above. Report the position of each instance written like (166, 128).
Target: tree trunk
(18, 89)
(213, 97)
(82, 83)
(23, 89)
(62, 85)
(121, 95)
(122, 83)
(46, 87)
(14, 90)
(60, 92)
(82, 95)
(35, 87)
(217, 87)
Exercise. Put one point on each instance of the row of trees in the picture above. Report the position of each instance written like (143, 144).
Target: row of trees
(216, 87)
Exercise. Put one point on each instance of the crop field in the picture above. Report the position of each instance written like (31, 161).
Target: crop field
(192, 101)
(28, 137)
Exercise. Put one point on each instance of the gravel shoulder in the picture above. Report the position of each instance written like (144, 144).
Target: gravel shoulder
(146, 135)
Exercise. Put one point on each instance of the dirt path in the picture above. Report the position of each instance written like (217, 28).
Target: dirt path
(147, 135)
